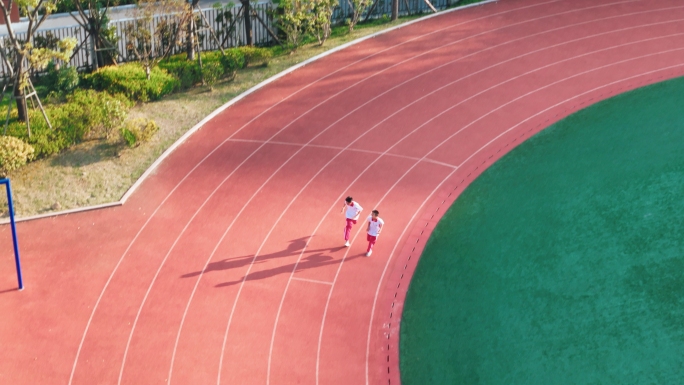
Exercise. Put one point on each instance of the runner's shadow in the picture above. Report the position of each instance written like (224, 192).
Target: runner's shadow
(310, 262)
(294, 248)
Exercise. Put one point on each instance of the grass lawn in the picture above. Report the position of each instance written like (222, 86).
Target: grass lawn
(563, 263)
(98, 172)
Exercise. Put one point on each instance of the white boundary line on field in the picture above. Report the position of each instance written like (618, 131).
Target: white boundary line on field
(228, 104)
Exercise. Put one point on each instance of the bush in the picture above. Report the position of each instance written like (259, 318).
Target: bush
(45, 141)
(85, 114)
(14, 153)
(232, 61)
(101, 114)
(255, 55)
(130, 80)
(187, 72)
(212, 71)
(60, 80)
(138, 130)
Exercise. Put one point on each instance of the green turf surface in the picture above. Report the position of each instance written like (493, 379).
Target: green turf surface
(564, 262)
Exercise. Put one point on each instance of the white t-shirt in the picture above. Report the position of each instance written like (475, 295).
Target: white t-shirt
(375, 225)
(354, 210)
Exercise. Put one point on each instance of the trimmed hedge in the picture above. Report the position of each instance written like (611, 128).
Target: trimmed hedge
(232, 61)
(84, 115)
(187, 72)
(255, 55)
(60, 81)
(14, 153)
(137, 131)
(215, 67)
(130, 80)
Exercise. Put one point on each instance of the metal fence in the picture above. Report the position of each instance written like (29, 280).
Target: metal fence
(81, 58)
(384, 8)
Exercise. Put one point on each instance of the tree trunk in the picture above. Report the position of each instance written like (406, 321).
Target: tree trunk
(93, 44)
(248, 21)
(190, 43)
(22, 111)
(395, 9)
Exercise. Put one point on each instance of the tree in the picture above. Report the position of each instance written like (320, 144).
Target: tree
(92, 16)
(23, 56)
(193, 38)
(151, 40)
(226, 21)
(192, 31)
(358, 7)
(293, 21)
(320, 18)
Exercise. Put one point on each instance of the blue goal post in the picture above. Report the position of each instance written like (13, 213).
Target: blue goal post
(10, 209)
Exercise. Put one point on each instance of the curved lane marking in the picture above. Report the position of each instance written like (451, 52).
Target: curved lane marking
(95, 307)
(470, 157)
(215, 113)
(385, 154)
(449, 138)
(123, 363)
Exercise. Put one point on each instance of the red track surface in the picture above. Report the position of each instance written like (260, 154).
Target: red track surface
(226, 266)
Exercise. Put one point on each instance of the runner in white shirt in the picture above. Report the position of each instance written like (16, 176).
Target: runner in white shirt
(352, 215)
(374, 229)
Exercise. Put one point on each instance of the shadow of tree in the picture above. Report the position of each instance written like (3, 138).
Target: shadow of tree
(87, 153)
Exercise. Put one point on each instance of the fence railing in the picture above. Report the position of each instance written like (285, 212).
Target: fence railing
(227, 38)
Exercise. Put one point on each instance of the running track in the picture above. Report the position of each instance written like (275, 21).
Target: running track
(225, 266)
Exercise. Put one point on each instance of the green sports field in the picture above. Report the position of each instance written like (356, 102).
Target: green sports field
(564, 262)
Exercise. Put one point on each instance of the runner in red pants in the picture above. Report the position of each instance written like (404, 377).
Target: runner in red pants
(375, 224)
(353, 210)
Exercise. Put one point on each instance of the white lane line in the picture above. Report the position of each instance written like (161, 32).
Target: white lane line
(377, 291)
(259, 148)
(244, 161)
(473, 122)
(275, 326)
(182, 232)
(249, 268)
(339, 148)
(312, 280)
(213, 252)
(215, 113)
(439, 145)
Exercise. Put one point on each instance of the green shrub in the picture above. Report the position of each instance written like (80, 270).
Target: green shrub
(213, 71)
(138, 130)
(232, 61)
(14, 153)
(85, 114)
(187, 72)
(255, 55)
(92, 114)
(60, 81)
(45, 141)
(130, 80)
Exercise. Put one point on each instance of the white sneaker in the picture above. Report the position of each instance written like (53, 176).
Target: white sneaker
(368, 254)
(347, 244)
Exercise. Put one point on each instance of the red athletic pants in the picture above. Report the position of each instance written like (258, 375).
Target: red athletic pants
(347, 230)
(371, 241)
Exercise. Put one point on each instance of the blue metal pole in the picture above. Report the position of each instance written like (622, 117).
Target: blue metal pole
(10, 206)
